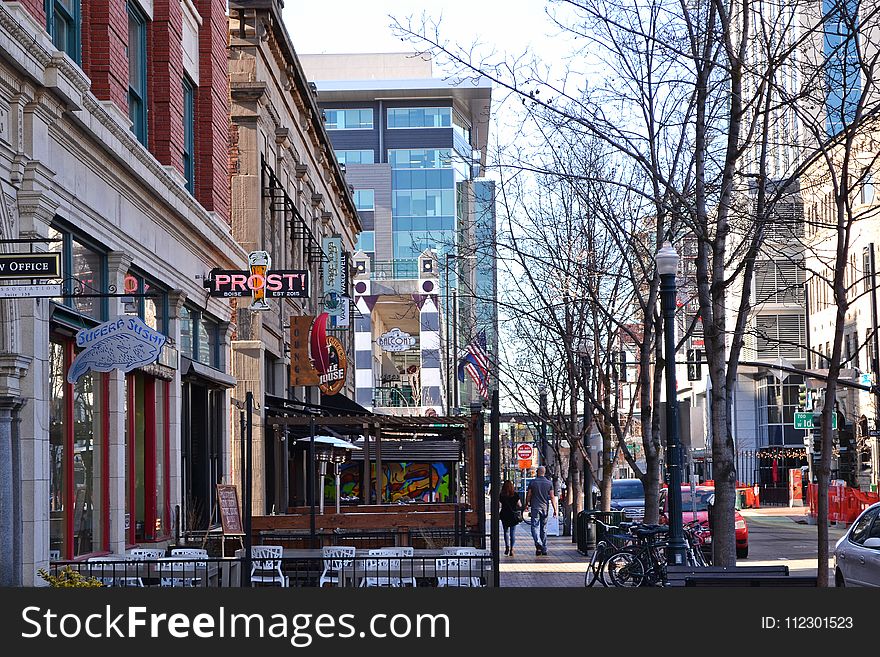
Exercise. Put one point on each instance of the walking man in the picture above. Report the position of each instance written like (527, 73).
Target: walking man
(539, 497)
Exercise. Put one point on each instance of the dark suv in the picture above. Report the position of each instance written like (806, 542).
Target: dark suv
(628, 495)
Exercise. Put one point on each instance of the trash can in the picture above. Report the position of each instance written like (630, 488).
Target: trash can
(589, 532)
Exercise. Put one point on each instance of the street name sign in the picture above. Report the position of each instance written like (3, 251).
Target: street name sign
(808, 420)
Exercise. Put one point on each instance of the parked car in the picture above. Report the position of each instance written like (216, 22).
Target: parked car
(703, 495)
(857, 553)
(628, 495)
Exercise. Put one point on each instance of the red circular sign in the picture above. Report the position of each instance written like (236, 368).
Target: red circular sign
(524, 451)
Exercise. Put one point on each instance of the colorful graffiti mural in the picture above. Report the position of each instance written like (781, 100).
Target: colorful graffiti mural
(420, 482)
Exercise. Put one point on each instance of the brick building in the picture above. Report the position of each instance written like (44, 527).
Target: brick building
(113, 152)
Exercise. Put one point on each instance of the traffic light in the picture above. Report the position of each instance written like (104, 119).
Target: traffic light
(817, 441)
(804, 400)
(694, 364)
(864, 460)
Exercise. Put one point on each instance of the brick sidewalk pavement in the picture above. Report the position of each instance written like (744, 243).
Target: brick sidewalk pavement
(563, 566)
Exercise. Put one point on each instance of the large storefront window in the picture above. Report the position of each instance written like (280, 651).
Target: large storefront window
(85, 271)
(146, 457)
(199, 335)
(777, 403)
(78, 481)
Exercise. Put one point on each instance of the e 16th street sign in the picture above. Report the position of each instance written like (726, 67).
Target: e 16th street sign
(810, 420)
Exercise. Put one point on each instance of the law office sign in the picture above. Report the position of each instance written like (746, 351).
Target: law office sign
(123, 343)
(30, 265)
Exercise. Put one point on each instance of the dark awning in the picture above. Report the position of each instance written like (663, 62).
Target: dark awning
(194, 369)
(419, 451)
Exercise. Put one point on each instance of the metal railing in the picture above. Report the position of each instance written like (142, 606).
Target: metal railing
(171, 572)
(394, 269)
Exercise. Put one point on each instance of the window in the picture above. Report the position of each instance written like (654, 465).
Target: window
(420, 158)
(366, 242)
(78, 458)
(137, 72)
(348, 119)
(842, 73)
(189, 166)
(152, 309)
(63, 25)
(356, 157)
(860, 530)
(85, 267)
(420, 117)
(777, 403)
(146, 457)
(199, 337)
(365, 199)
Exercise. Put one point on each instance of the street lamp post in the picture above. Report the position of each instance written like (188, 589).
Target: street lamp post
(667, 266)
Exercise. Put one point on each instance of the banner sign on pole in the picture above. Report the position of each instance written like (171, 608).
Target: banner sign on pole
(301, 371)
(123, 343)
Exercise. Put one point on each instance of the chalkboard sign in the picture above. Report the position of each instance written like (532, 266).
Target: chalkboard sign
(230, 518)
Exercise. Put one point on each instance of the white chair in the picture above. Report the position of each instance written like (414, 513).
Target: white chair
(410, 552)
(192, 553)
(336, 559)
(145, 554)
(266, 565)
(451, 571)
(177, 572)
(111, 570)
(380, 570)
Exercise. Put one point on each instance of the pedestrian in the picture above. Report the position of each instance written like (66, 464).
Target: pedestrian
(539, 498)
(510, 513)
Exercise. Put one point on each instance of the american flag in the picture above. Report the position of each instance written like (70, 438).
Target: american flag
(476, 363)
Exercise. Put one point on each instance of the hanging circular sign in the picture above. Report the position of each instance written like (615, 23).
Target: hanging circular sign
(332, 380)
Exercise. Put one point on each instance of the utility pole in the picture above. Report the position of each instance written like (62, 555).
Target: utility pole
(495, 481)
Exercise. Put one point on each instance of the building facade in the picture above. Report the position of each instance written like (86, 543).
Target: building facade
(290, 199)
(413, 147)
(113, 154)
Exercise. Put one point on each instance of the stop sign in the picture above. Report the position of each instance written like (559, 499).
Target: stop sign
(524, 451)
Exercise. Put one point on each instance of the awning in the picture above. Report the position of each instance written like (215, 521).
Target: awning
(194, 369)
(418, 451)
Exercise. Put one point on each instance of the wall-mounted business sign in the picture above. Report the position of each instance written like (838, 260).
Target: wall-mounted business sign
(30, 265)
(123, 343)
(302, 373)
(396, 340)
(257, 282)
(30, 291)
(333, 379)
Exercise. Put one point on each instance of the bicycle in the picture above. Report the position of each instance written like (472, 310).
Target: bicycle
(643, 564)
(605, 548)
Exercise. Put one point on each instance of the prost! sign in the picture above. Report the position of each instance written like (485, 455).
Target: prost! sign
(258, 281)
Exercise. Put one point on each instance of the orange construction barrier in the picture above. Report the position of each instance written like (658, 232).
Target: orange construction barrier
(844, 503)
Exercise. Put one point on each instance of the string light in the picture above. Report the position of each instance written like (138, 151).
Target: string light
(783, 453)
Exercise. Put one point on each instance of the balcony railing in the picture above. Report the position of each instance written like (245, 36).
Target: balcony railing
(394, 269)
(393, 397)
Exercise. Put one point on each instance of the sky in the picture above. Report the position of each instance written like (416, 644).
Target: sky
(344, 26)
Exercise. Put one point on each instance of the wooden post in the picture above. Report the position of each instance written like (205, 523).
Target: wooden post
(380, 475)
(366, 472)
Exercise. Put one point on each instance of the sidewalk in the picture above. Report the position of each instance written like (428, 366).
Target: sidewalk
(562, 567)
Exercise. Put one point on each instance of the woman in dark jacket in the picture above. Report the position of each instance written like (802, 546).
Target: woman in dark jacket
(509, 513)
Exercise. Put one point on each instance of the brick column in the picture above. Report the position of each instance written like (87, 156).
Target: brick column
(165, 85)
(212, 110)
(105, 37)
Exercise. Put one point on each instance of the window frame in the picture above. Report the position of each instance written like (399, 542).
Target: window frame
(189, 130)
(360, 125)
(358, 196)
(67, 344)
(197, 316)
(68, 302)
(74, 27)
(138, 112)
(389, 110)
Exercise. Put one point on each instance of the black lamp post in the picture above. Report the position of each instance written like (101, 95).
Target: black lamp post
(542, 410)
(586, 354)
(667, 266)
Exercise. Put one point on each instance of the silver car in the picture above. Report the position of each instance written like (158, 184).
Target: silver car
(857, 553)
